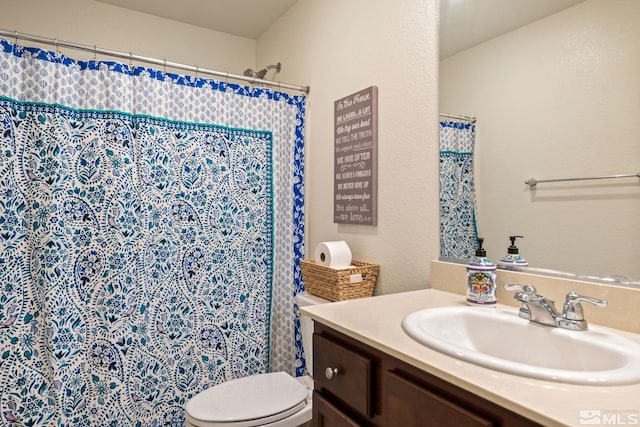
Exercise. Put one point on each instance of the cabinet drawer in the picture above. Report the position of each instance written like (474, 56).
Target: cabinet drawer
(409, 404)
(327, 415)
(351, 380)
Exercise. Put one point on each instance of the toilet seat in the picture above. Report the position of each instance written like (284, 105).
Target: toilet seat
(248, 401)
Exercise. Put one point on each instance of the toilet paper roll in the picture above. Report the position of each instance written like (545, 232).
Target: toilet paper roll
(333, 254)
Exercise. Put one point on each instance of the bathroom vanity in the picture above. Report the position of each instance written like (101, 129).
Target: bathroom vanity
(369, 372)
(368, 387)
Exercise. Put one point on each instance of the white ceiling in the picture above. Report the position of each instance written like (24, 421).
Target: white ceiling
(466, 23)
(245, 18)
(463, 23)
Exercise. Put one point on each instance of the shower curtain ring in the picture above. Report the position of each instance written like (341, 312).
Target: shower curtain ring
(165, 65)
(95, 52)
(15, 33)
(130, 60)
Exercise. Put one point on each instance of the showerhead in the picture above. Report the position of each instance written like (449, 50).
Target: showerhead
(260, 74)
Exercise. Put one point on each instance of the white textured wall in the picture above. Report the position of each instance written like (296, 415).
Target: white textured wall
(557, 98)
(93, 23)
(339, 47)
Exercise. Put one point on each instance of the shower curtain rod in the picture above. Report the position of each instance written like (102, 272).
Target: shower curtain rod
(162, 62)
(455, 116)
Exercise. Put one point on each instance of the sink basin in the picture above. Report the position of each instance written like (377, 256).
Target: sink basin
(498, 339)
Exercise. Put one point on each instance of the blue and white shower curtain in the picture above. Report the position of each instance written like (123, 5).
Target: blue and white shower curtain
(150, 231)
(458, 229)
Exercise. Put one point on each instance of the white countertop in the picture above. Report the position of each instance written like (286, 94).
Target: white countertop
(376, 321)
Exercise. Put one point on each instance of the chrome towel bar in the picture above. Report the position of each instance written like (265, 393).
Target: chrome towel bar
(532, 182)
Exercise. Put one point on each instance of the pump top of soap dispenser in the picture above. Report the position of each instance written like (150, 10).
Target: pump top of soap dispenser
(480, 252)
(513, 258)
(513, 249)
(481, 259)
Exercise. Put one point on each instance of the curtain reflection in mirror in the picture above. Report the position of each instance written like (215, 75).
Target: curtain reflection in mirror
(458, 229)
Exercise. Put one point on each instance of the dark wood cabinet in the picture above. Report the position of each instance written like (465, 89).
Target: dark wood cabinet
(410, 404)
(367, 387)
(327, 415)
(345, 373)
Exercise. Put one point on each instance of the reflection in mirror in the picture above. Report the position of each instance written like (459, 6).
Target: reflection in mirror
(555, 98)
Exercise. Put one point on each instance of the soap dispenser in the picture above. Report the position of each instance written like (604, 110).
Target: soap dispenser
(513, 259)
(481, 279)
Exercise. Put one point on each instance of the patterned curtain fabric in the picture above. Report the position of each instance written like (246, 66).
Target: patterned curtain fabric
(458, 231)
(150, 231)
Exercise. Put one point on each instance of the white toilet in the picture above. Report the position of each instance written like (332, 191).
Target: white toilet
(273, 399)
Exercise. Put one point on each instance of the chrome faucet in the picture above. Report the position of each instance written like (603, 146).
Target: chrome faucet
(539, 309)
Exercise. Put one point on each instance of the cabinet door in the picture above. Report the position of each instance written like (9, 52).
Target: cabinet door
(344, 373)
(409, 404)
(327, 415)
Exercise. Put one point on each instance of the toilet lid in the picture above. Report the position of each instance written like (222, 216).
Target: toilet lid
(248, 398)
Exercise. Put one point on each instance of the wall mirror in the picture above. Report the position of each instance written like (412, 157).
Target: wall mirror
(555, 94)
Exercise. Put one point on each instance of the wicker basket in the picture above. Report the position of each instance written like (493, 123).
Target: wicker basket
(336, 285)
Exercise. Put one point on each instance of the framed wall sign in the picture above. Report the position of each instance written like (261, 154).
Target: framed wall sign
(355, 185)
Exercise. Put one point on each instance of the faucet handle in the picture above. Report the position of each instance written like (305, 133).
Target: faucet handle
(572, 309)
(523, 292)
